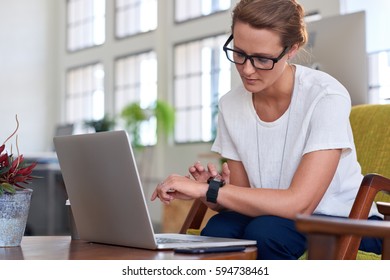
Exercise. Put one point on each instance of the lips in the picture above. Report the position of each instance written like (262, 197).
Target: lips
(250, 81)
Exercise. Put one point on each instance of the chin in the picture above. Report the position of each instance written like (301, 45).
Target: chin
(253, 86)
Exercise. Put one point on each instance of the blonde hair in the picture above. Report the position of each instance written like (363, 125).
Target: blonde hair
(285, 17)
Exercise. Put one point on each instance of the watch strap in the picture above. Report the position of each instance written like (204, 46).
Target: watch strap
(212, 192)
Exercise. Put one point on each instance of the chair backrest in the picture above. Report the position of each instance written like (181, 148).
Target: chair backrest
(371, 130)
(371, 136)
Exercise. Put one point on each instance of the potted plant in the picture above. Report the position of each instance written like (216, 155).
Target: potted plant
(104, 124)
(133, 115)
(15, 198)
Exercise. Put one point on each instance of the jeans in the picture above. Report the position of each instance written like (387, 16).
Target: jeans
(277, 238)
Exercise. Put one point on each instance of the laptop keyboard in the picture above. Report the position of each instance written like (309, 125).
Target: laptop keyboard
(165, 240)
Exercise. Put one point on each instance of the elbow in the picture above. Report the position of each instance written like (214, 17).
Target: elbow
(307, 209)
(303, 208)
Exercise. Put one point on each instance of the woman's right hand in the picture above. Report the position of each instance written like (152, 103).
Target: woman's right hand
(201, 174)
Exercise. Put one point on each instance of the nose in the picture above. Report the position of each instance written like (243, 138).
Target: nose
(248, 68)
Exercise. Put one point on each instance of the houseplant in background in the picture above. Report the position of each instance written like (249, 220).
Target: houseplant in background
(104, 124)
(135, 116)
(15, 198)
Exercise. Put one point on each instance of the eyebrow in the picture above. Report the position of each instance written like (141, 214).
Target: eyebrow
(254, 54)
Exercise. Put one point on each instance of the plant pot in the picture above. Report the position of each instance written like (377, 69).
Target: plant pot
(14, 209)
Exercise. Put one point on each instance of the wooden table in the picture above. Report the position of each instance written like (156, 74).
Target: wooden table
(64, 248)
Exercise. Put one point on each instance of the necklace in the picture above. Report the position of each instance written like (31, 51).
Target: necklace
(285, 136)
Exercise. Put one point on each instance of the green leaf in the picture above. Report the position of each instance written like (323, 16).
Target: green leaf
(6, 187)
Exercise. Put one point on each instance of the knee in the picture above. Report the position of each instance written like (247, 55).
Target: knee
(261, 229)
(276, 238)
(226, 224)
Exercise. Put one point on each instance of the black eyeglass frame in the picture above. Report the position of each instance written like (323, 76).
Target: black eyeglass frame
(250, 57)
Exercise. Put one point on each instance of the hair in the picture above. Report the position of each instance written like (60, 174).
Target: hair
(285, 17)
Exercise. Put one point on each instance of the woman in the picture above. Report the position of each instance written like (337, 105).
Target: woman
(285, 133)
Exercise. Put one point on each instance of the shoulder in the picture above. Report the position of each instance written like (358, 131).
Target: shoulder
(316, 84)
(236, 97)
(316, 79)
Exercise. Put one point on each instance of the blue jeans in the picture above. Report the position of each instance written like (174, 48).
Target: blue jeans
(277, 238)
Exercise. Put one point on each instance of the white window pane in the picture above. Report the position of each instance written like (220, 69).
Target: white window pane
(206, 127)
(181, 94)
(224, 4)
(138, 83)
(86, 23)
(198, 85)
(194, 91)
(193, 58)
(98, 104)
(120, 24)
(181, 127)
(135, 17)
(195, 132)
(180, 60)
(185, 9)
(180, 10)
(85, 93)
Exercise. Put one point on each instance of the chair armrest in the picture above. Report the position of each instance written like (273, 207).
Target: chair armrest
(342, 226)
(384, 208)
(370, 186)
(325, 232)
(194, 217)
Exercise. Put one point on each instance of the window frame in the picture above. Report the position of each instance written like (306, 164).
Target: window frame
(115, 85)
(67, 91)
(67, 29)
(213, 105)
(199, 17)
(130, 35)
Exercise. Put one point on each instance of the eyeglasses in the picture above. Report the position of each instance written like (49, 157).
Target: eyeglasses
(259, 62)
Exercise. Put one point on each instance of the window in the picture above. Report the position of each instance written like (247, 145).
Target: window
(135, 16)
(85, 23)
(378, 45)
(202, 76)
(85, 93)
(136, 81)
(379, 73)
(189, 9)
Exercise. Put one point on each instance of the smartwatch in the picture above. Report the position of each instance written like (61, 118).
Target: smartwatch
(214, 185)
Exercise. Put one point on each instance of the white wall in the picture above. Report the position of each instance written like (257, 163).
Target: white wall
(378, 35)
(28, 76)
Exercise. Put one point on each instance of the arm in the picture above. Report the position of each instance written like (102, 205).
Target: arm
(182, 187)
(310, 182)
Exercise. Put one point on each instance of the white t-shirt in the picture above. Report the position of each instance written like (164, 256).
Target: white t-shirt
(317, 119)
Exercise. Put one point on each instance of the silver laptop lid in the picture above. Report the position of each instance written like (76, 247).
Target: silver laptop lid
(104, 189)
(106, 196)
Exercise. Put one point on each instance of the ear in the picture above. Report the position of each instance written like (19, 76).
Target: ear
(293, 51)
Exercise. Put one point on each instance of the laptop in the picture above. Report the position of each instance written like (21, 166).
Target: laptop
(107, 198)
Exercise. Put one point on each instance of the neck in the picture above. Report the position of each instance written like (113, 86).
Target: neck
(273, 102)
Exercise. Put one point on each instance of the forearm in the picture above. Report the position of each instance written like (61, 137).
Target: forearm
(257, 202)
(213, 206)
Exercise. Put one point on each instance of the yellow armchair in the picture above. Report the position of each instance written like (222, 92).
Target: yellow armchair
(371, 130)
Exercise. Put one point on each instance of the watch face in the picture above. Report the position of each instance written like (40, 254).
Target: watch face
(214, 185)
(218, 180)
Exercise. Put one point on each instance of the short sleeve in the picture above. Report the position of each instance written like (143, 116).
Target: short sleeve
(329, 126)
(223, 143)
